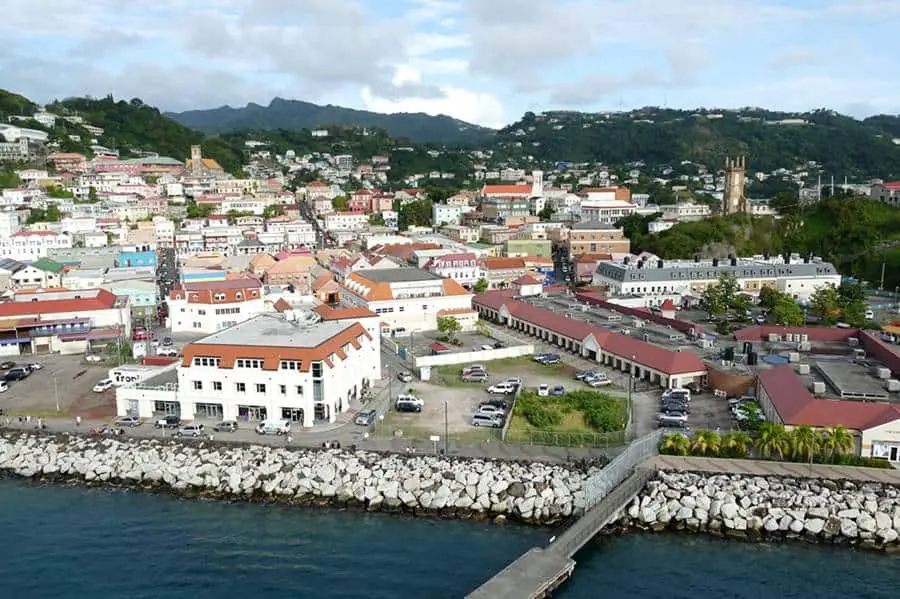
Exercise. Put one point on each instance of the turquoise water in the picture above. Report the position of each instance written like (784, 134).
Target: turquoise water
(72, 542)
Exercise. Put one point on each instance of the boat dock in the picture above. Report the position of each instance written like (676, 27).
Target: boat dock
(537, 573)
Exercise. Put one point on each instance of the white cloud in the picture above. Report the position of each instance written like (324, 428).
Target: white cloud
(470, 106)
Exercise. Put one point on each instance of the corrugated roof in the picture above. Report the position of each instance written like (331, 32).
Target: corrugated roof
(796, 406)
(643, 353)
(102, 300)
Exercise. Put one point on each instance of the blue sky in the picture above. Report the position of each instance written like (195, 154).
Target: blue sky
(484, 61)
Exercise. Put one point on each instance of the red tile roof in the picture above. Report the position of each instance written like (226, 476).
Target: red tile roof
(643, 353)
(329, 313)
(102, 300)
(892, 186)
(667, 305)
(506, 189)
(526, 280)
(796, 406)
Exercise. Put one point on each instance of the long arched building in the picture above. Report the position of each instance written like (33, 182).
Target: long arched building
(649, 362)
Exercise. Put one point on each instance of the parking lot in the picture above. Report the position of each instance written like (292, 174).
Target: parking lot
(420, 344)
(68, 379)
(462, 398)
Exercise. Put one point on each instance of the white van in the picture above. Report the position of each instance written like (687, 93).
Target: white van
(273, 427)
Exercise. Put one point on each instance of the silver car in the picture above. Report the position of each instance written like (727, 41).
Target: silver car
(190, 430)
(127, 421)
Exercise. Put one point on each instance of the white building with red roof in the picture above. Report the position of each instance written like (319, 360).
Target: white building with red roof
(527, 286)
(210, 306)
(31, 245)
(461, 267)
(889, 193)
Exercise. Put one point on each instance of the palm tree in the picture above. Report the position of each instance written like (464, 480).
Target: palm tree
(675, 444)
(772, 440)
(803, 441)
(836, 440)
(705, 443)
(736, 444)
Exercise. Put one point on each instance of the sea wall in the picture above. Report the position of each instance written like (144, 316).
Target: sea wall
(535, 493)
(771, 508)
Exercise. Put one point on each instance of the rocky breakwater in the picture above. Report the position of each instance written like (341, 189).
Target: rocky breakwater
(827, 511)
(428, 485)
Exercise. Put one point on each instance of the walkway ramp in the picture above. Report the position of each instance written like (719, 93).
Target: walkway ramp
(533, 576)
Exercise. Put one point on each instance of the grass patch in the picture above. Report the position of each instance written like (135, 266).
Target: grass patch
(393, 422)
(582, 418)
(63, 413)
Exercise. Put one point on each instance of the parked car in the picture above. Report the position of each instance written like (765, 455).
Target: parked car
(539, 357)
(3, 387)
(474, 368)
(475, 377)
(499, 345)
(408, 403)
(92, 358)
(558, 391)
(365, 418)
(488, 409)
(190, 430)
(103, 385)
(169, 421)
(543, 390)
(674, 423)
(503, 388)
(514, 380)
(35, 366)
(168, 352)
(549, 359)
(130, 421)
(498, 403)
(599, 381)
(226, 426)
(405, 377)
(6, 365)
(672, 416)
(580, 376)
(17, 374)
(870, 315)
(489, 420)
(167, 341)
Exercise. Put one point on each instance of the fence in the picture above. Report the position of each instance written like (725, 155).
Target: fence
(474, 356)
(553, 439)
(599, 485)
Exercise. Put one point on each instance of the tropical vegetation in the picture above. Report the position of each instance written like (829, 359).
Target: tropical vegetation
(772, 441)
(581, 410)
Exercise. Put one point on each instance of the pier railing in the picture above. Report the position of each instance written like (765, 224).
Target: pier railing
(613, 474)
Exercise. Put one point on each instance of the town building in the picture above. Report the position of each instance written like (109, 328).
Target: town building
(408, 299)
(684, 211)
(306, 371)
(446, 214)
(501, 272)
(210, 306)
(643, 360)
(31, 245)
(888, 193)
(654, 278)
(62, 321)
(520, 248)
(461, 267)
(597, 238)
(735, 198)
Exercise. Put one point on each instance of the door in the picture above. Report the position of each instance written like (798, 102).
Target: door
(893, 457)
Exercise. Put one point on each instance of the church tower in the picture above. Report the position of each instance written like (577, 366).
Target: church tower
(196, 160)
(537, 184)
(734, 199)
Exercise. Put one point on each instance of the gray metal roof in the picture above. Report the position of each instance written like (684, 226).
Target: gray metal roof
(397, 275)
(275, 331)
(707, 271)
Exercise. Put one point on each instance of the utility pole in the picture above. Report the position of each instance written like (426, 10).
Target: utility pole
(56, 392)
(446, 431)
(881, 284)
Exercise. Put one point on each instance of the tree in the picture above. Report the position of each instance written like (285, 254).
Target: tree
(705, 443)
(787, 312)
(768, 297)
(720, 297)
(272, 210)
(804, 442)
(836, 441)
(772, 440)
(852, 291)
(826, 303)
(449, 326)
(675, 444)
(376, 220)
(415, 214)
(736, 444)
(546, 212)
(9, 179)
(340, 203)
(92, 194)
(195, 210)
(481, 285)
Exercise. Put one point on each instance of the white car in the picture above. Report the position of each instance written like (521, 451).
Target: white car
(35, 366)
(190, 430)
(3, 387)
(103, 385)
(601, 380)
(543, 390)
(502, 388)
(870, 315)
(93, 358)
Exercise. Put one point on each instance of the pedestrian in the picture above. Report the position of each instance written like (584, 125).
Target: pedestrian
(290, 439)
(78, 421)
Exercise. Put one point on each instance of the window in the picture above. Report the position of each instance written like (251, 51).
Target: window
(425, 306)
(197, 325)
(201, 312)
(198, 385)
(260, 387)
(248, 363)
(240, 387)
(283, 389)
(289, 365)
(217, 385)
(299, 389)
(219, 297)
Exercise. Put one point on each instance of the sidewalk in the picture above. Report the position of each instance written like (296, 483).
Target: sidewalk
(765, 468)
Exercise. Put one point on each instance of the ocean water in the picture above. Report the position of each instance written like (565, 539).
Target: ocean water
(71, 542)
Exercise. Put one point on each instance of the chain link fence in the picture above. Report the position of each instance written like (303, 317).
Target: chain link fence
(564, 439)
(611, 476)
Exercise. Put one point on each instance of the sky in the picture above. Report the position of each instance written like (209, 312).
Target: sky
(482, 61)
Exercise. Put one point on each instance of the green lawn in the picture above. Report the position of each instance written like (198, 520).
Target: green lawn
(582, 418)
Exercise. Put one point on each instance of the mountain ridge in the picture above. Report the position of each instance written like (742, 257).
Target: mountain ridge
(281, 113)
